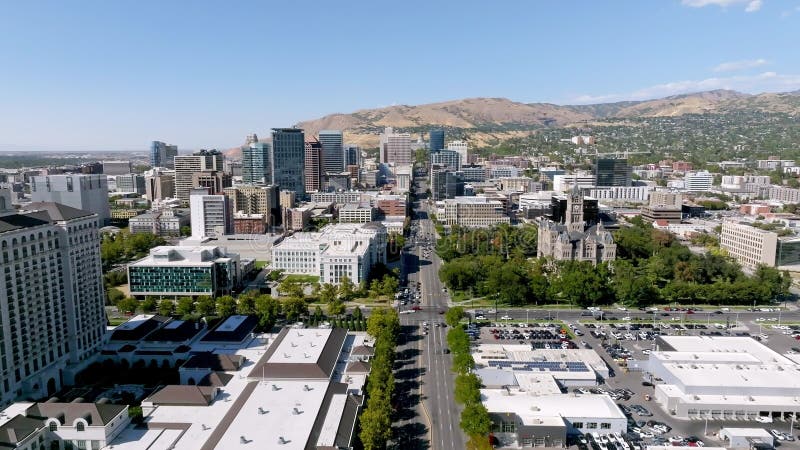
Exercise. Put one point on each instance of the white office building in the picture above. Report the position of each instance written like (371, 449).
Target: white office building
(356, 213)
(211, 215)
(564, 183)
(629, 194)
(334, 252)
(698, 181)
(52, 297)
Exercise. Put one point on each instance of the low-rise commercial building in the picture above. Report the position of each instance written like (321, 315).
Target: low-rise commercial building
(167, 222)
(249, 223)
(752, 246)
(356, 213)
(185, 270)
(723, 378)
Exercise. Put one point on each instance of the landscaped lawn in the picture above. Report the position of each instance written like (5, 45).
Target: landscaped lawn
(302, 278)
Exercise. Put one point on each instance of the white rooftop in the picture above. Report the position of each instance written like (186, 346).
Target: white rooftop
(231, 323)
(184, 255)
(288, 412)
(532, 408)
(134, 322)
(327, 436)
(300, 346)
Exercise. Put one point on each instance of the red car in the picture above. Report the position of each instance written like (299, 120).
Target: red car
(416, 308)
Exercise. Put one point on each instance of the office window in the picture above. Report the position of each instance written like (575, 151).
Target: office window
(577, 424)
(591, 425)
(605, 426)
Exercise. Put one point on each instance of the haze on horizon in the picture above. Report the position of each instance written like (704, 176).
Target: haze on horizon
(114, 76)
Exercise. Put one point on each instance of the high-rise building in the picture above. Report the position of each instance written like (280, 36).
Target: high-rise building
(213, 180)
(352, 155)
(447, 158)
(700, 181)
(86, 192)
(287, 159)
(461, 148)
(52, 297)
(130, 182)
(395, 147)
(116, 167)
(612, 172)
(255, 163)
(332, 151)
(159, 183)
(250, 199)
(163, 155)
(187, 165)
(313, 165)
(211, 214)
(436, 138)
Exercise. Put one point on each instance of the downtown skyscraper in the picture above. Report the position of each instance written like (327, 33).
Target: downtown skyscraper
(255, 163)
(332, 151)
(287, 160)
(163, 155)
(313, 168)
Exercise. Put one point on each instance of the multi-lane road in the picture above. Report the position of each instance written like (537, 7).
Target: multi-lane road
(434, 387)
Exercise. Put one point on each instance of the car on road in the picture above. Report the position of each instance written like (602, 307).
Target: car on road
(480, 317)
(506, 317)
(778, 435)
(416, 308)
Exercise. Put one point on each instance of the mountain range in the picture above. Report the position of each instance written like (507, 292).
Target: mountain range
(489, 120)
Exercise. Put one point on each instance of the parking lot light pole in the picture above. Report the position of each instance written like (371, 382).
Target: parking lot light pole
(705, 430)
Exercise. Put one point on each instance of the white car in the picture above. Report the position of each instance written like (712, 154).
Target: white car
(626, 318)
(622, 308)
(506, 317)
(480, 317)
(761, 319)
(764, 419)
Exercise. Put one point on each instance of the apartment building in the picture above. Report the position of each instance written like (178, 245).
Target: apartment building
(211, 215)
(85, 192)
(252, 199)
(186, 166)
(784, 194)
(395, 147)
(131, 182)
(167, 222)
(159, 184)
(700, 181)
(748, 245)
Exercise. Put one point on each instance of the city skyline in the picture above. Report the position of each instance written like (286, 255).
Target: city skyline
(109, 76)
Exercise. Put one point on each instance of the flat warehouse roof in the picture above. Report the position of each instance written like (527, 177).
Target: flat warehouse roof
(529, 407)
(288, 412)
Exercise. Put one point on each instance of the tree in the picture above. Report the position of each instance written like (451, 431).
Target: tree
(376, 423)
(453, 316)
(295, 308)
(114, 296)
(467, 388)
(318, 313)
(246, 304)
(148, 305)
(206, 305)
(328, 293)
(357, 314)
(290, 288)
(346, 289)
(166, 307)
(581, 284)
(631, 287)
(186, 230)
(463, 362)
(226, 306)
(475, 420)
(336, 308)
(185, 306)
(127, 305)
(267, 309)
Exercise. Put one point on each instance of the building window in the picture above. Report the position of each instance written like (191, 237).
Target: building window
(591, 425)
(605, 426)
(53, 426)
(577, 424)
(80, 426)
(509, 427)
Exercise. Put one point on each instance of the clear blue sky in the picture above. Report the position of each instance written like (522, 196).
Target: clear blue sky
(118, 74)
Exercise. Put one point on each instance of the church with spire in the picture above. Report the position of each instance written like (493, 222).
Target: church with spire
(574, 232)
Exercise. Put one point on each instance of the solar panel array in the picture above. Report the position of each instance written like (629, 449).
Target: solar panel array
(541, 366)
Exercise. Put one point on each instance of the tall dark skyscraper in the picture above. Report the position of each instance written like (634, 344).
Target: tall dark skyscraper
(255, 163)
(612, 172)
(287, 160)
(352, 155)
(332, 151)
(163, 155)
(436, 138)
(313, 175)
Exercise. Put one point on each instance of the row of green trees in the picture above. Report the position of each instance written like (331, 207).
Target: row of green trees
(475, 420)
(651, 267)
(376, 419)
(502, 240)
(124, 247)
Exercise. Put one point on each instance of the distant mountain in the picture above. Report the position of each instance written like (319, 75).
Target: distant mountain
(486, 121)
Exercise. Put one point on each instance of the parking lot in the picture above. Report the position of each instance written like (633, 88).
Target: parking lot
(621, 341)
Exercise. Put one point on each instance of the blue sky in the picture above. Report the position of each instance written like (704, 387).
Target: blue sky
(107, 75)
